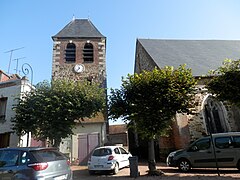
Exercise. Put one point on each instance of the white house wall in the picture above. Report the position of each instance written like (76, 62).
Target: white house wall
(12, 89)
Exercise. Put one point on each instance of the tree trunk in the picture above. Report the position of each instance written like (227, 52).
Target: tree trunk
(27, 139)
(49, 142)
(151, 157)
(57, 143)
(53, 142)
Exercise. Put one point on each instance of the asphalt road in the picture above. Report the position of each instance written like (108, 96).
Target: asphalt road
(80, 172)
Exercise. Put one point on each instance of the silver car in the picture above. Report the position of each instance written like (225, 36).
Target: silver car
(34, 163)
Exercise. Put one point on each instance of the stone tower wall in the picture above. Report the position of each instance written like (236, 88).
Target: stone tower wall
(95, 70)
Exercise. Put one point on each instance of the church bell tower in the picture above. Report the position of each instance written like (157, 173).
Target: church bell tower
(79, 53)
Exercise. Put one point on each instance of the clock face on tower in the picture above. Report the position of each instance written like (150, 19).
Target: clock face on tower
(79, 68)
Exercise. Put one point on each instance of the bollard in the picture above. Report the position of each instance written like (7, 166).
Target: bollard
(133, 164)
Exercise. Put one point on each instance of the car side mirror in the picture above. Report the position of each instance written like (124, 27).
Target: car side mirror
(194, 148)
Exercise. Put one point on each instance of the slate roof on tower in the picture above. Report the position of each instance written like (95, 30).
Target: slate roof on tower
(199, 55)
(79, 28)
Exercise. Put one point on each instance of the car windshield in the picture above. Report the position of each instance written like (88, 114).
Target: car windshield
(102, 152)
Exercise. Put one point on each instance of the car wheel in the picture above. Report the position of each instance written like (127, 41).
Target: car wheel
(238, 165)
(116, 168)
(91, 172)
(184, 165)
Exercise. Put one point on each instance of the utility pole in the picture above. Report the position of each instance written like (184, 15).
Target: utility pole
(11, 51)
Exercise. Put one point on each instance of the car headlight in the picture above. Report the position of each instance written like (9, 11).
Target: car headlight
(172, 154)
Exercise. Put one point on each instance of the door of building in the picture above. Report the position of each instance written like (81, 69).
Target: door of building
(86, 144)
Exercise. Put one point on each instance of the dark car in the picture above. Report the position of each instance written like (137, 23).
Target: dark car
(222, 151)
(34, 163)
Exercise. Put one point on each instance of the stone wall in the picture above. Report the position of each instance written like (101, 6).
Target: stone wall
(95, 70)
(143, 61)
(233, 116)
(196, 122)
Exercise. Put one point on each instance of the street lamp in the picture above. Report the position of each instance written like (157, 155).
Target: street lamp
(26, 69)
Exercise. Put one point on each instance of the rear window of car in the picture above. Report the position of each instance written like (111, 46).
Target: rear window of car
(102, 152)
(47, 155)
(9, 158)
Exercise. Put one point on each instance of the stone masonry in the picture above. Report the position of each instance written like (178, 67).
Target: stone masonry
(95, 70)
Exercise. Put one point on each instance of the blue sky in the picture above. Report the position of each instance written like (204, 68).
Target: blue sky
(30, 24)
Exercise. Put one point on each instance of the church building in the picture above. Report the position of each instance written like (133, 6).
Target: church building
(201, 56)
(79, 53)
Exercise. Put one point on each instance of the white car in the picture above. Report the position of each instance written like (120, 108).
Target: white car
(110, 158)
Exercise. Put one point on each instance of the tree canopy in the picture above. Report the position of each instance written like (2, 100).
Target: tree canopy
(225, 83)
(52, 110)
(151, 99)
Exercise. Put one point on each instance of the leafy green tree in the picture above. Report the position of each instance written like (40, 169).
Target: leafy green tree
(150, 101)
(52, 110)
(225, 83)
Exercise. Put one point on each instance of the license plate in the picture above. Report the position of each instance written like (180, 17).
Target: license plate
(98, 166)
(62, 177)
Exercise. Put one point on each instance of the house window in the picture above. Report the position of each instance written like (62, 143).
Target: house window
(4, 140)
(3, 105)
(70, 52)
(88, 52)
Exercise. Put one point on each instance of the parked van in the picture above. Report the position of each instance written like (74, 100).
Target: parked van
(200, 154)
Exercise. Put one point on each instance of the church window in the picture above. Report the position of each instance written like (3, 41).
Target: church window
(215, 117)
(70, 52)
(88, 52)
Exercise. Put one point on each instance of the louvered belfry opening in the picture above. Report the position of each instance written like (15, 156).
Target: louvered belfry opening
(88, 52)
(70, 52)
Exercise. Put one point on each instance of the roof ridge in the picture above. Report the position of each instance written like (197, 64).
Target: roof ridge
(79, 28)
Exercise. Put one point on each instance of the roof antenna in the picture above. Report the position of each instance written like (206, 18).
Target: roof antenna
(11, 52)
(88, 16)
(73, 18)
